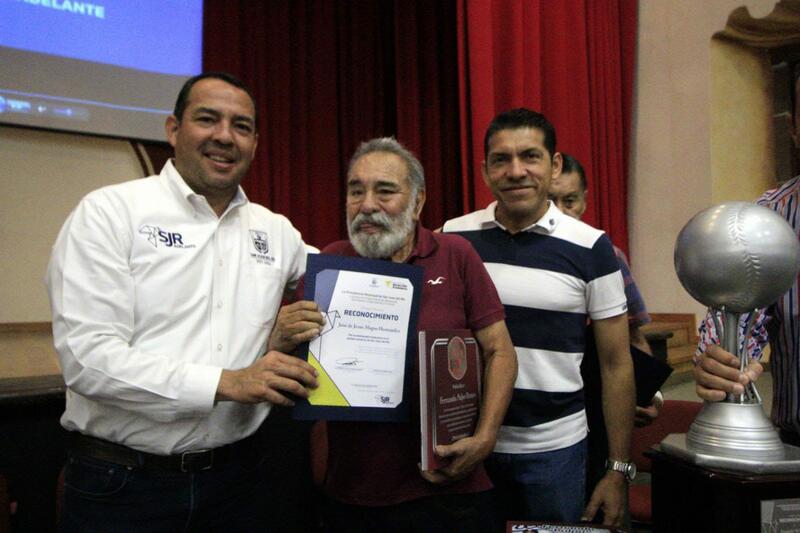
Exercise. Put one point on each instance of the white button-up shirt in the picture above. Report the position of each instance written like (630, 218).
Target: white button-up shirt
(152, 295)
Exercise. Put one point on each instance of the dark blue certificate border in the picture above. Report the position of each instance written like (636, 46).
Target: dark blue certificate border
(317, 263)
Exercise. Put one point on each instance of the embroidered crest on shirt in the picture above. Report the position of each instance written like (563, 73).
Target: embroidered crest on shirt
(437, 281)
(261, 246)
(260, 242)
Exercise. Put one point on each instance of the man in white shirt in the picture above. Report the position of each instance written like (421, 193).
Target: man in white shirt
(163, 293)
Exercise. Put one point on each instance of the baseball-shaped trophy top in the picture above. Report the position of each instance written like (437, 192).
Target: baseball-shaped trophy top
(737, 255)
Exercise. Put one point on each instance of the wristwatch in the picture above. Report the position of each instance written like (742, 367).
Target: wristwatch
(626, 469)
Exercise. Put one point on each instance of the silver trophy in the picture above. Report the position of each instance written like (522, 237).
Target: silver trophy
(736, 257)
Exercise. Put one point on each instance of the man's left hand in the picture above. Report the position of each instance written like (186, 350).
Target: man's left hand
(296, 323)
(465, 455)
(609, 495)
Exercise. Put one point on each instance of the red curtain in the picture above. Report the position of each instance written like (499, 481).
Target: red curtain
(572, 60)
(329, 74)
(310, 113)
(427, 101)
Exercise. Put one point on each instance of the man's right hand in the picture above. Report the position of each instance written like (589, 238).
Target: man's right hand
(717, 374)
(270, 379)
(296, 323)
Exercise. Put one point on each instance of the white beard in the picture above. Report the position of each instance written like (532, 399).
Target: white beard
(395, 233)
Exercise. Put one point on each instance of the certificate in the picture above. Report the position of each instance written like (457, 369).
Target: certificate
(364, 353)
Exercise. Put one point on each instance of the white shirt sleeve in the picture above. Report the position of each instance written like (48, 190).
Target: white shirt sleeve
(605, 293)
(296, 267)
(92, 298)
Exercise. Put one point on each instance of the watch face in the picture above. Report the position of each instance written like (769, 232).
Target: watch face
(630, 471)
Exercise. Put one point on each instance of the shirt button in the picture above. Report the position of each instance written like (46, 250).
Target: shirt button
(220, 262)
(219, 305)
(219, 347)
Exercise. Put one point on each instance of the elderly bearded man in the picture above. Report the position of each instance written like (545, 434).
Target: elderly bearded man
(373, 478)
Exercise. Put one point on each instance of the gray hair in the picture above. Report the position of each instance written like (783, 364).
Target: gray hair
(391, 145)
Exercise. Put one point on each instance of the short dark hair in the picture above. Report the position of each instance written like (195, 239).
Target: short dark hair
(183, 96)
(570, 164)
(517, 119)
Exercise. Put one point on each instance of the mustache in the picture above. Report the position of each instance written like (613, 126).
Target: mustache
(376, 219)
(224, 150)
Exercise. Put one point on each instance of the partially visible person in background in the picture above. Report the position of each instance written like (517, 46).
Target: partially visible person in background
(569, 193)
(717, 372)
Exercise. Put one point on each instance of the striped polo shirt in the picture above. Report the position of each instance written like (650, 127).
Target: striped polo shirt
(550, 277)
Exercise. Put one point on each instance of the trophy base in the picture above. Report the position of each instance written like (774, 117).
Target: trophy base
(739, 430)
(677, 446)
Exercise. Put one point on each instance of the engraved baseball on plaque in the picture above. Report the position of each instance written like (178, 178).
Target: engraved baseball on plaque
(457, 358)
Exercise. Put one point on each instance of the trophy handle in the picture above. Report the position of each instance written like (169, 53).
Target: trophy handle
(750, 390)
(730, 342)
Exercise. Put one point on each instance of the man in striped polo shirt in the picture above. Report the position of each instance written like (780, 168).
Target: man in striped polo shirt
(717, 371)
(552, 273)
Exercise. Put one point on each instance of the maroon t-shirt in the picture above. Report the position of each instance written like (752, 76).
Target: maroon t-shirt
(371, 463)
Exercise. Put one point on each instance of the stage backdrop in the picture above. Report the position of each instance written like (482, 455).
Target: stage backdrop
(329, 74)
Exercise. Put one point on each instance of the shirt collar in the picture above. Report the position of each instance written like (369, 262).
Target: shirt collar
(545, 225)
(425, 244)
(182, 189)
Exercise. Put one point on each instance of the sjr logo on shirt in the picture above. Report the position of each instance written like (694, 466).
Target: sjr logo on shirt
(170, 239)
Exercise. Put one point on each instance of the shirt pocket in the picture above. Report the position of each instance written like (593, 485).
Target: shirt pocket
(264, 291)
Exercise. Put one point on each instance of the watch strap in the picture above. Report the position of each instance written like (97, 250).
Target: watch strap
(626, 469)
